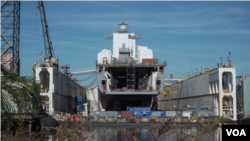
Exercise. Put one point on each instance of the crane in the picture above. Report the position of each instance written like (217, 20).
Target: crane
(50, 58)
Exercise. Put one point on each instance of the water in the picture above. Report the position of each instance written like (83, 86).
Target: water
(141, 133)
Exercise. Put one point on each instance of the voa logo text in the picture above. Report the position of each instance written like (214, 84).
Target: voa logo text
(236, 132)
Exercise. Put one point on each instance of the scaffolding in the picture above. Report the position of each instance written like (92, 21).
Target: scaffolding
(131, 77)
(10, 35)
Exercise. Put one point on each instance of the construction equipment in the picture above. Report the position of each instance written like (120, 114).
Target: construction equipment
(50, 60)
(10, 35)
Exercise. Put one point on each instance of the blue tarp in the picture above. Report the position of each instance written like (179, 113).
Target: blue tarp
(138, 111)
(79, 100)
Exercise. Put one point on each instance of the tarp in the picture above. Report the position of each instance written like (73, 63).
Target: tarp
(93, 97)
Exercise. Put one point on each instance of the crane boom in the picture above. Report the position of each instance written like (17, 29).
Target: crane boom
(47, 41)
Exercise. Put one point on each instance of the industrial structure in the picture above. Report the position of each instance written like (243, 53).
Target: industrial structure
(215, 89)
(126, 77)
(243, 96)
(50, 58)
(10, 36)
(58, 89)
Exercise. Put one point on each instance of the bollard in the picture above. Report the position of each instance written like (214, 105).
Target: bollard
(101, 119)
(144, 119)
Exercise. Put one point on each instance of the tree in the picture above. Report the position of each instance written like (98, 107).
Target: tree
(169, 92)
(18, 94)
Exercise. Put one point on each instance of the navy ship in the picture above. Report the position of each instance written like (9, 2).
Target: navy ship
(128, 77)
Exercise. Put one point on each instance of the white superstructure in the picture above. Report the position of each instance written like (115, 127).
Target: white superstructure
(126, 40)
(118, 39)
(144, 53)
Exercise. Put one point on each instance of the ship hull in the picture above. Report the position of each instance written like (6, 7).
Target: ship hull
(116, 92)
(108, 101)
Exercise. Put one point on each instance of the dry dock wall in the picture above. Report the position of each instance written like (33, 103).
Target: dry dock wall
(59, 90)
(215, 89)
(243, 95)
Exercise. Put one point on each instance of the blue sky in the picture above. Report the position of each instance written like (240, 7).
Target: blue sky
(185, 34)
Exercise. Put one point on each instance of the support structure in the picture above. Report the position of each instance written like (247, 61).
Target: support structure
(10, 35)
(130, 77)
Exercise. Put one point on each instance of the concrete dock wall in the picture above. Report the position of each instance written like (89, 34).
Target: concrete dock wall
(59, 90)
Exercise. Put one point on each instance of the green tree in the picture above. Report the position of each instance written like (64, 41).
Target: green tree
(18, 95)
(169, 92)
